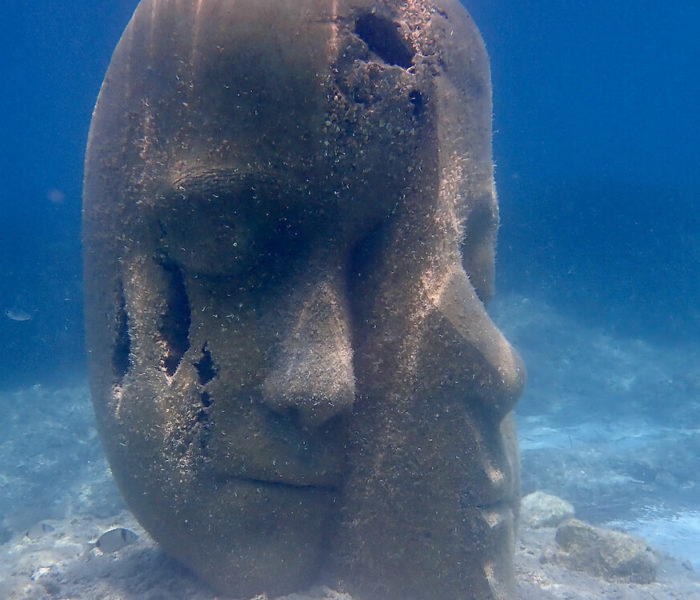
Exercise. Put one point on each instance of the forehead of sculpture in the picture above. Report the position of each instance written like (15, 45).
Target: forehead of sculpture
(225, 74)
(204, 81)
(338, 98)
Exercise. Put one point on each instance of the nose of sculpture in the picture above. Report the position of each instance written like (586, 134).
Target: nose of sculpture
(312, 373)
(312, 382)
(495, 368)
(303, 388)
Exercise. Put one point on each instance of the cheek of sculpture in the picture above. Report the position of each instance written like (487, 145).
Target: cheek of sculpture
(289, 237)
(219, 452)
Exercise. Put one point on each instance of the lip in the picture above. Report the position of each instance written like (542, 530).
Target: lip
(271, 483)
(495, 513)
(270, 477)
(325, 473)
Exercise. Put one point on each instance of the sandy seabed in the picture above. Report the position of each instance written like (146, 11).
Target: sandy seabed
(59, 564)
(610, 424)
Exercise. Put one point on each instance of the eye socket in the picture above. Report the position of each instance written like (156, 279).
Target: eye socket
(174, 323)
(416, 99)
(206, 369)
(383, 37)
(222, 223)
(121, 352)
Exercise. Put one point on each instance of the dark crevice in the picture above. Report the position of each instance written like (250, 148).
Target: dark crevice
(205, 367)
(383, 37)
(278, 484)
(206, 399)
(174, 325)
(416, 98)
(121, 360)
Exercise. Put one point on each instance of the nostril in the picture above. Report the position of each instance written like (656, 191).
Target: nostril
(312, 413)
(310, 403)
(315, 412)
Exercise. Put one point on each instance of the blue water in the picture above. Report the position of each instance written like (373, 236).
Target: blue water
(597, 131)
(53, 55)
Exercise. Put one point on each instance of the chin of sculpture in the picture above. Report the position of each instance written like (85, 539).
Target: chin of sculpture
(289, 228)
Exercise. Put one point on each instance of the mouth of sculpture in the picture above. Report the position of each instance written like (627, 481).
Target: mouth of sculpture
(284, 484)
(499, 506)
(292, 476)
(499, 517)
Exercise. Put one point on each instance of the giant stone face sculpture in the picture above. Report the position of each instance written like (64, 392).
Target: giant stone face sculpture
(289, 222)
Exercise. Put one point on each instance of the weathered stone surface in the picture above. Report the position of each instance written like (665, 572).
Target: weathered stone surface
(605, 553)
(289, 225)
(544, 510)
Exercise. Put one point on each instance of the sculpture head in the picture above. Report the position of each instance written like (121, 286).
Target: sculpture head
(289, 223)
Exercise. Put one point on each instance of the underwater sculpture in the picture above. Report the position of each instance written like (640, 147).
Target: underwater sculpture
(289, 226)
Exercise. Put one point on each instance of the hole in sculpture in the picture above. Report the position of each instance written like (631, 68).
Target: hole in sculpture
(416, 98)
(174, 325)
(122, 341)
(205, 367)
(383, 37)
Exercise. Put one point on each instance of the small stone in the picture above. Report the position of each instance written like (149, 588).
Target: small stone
(605, 553)
(544, 510)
